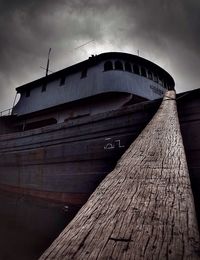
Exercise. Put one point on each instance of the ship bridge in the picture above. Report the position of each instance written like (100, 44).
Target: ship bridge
(102, 83)
(105, 73)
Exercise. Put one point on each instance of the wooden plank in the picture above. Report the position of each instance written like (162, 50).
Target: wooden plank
(144, 208)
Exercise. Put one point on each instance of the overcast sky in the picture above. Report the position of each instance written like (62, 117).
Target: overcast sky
(166, 32)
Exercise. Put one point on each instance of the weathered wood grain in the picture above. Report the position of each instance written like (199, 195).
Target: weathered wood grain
(144, 208)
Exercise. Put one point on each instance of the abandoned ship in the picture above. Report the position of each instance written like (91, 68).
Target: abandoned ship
(69, 128)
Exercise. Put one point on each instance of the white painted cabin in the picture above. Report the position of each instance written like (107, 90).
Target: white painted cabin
(102, 83)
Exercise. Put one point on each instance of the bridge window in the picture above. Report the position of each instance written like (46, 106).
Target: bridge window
(136, 69)
(163, 83)
(143, 72)
(108, 66)
(44, 86)
(155, 78)
(160, 80)
(118, 65)
(28, 92)
(128, 67)
(150, 76)
(62, 80)
(84, 73)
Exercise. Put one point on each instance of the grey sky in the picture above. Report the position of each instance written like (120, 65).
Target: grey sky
(166, 32)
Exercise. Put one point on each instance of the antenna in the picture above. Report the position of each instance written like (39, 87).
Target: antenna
(47, 68)
(48, 57)
(138, 52)
(86, 43)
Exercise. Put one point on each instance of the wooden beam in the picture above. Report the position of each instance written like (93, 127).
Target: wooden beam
(144, 208)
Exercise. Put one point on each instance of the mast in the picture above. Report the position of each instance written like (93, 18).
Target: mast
(47, 68)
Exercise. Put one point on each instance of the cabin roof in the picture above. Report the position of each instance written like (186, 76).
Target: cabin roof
(93, 60)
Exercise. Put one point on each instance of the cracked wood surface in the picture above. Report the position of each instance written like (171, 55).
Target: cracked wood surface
(144, 208)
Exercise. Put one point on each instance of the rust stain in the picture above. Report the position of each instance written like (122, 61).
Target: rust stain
(39, 154)
(60, 197)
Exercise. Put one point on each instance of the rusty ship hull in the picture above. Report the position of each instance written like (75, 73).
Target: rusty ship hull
(64, 163)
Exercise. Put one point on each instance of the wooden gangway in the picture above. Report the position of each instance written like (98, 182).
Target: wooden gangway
(144, 208)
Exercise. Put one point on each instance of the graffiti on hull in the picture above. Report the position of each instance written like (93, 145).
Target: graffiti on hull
(112, 143)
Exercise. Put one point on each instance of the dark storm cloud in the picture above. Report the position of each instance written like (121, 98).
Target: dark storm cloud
(167, 32)
(27, 30)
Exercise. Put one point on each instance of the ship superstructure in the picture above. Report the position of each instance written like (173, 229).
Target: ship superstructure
(102, 83)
